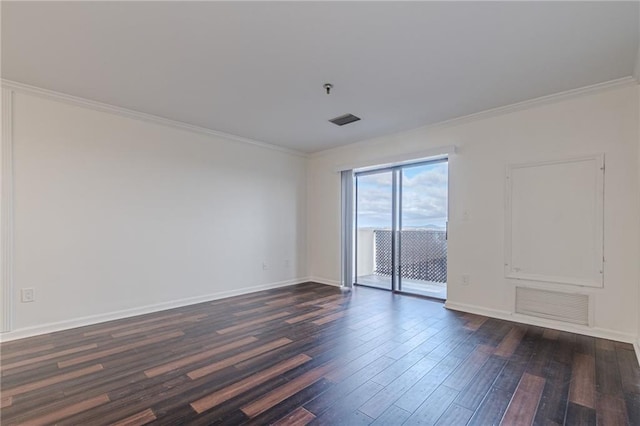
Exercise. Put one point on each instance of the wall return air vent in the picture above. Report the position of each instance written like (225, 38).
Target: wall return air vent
(344, 119)
(555, 305)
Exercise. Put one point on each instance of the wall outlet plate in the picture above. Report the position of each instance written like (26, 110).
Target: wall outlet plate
(465, 279)
(27, 295)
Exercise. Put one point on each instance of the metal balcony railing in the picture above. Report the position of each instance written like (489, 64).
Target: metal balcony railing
(423, 254)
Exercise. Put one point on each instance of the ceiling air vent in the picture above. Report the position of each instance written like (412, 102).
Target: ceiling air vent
(344, 119)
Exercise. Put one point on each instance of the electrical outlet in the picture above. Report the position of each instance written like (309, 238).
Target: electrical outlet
(28, 295)
(465, 215)
(286, 263)
(465, 279)
(265, 266)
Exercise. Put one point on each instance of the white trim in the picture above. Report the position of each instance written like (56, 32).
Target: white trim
(636, 346)
(494, 112)
(601, 333)
(400, 159)
(325, 281)
(542, 100)
(124, 112)
(510, 272)
(6, 212)
(100, 106)
(126, 313)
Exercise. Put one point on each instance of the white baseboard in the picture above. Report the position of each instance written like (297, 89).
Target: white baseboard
(636, 346)
(540, 322)
(325, 281)
(126, 313)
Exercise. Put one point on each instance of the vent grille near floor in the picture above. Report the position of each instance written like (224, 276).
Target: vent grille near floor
(567, 307)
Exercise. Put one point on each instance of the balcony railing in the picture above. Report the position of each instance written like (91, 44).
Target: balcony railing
(423, 254)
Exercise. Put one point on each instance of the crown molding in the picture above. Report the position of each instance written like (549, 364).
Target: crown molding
(6, 210)
(113, 109)
(137, 115)
(542, 100)
(494, 112)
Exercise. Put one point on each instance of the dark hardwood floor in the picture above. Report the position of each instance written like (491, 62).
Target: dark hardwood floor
(310, 354)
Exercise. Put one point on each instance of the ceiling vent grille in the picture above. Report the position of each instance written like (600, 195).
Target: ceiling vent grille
(567, 307)
(344, 119)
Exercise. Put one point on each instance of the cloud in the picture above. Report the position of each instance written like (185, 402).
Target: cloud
(424, 197)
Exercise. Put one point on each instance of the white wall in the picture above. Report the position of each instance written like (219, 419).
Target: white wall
(603, 122)
(366, 253)
(114, 213)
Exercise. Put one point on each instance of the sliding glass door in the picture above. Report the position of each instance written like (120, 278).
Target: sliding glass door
(401, 228)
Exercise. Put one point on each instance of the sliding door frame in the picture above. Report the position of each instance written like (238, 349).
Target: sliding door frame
(396, 219)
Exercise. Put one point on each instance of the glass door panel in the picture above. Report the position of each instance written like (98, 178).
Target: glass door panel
(423, 229)
(374, 229)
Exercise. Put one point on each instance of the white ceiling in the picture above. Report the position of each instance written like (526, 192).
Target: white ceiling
(256, 70)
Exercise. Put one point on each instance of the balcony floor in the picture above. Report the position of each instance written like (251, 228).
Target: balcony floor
(419, 287)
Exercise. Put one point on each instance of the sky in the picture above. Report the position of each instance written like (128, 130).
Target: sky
(424, 197)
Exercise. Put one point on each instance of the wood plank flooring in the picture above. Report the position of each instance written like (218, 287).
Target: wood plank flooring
(310, 354)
